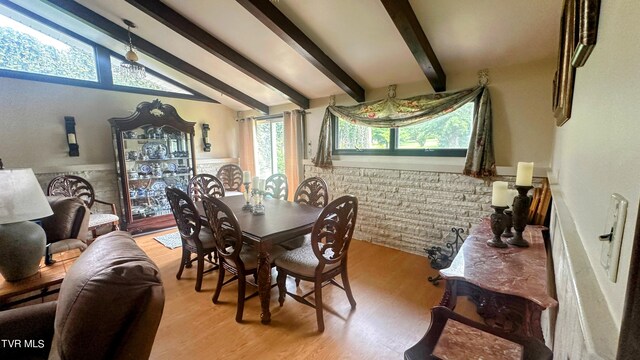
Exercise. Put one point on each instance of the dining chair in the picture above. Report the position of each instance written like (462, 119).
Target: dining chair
(446, 323)
(202, 185)
(325, 258)
(196, 239)
(312, 191)
(75, 186)
(231, 177)
(234, 257)
(276, 187)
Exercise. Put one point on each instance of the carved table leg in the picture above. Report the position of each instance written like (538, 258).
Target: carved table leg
(264, 285)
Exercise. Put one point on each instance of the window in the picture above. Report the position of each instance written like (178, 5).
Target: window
(34, 48)
(447, 135)
(27, 46)
(148, 82)
(269, 146)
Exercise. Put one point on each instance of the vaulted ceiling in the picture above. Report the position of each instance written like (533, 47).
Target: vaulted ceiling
(267, 53)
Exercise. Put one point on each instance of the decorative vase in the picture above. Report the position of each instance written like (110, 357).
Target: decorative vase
(22, 246)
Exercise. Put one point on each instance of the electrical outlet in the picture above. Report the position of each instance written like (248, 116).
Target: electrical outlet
(612, 235)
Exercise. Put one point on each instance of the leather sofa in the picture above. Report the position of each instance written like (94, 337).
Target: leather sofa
(68, 227)
(109, 307)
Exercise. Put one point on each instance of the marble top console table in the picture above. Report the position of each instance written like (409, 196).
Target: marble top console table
(508, 286)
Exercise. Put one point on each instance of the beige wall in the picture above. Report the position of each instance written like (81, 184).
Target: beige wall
(523, 125)
(33, 133)
(597, 152)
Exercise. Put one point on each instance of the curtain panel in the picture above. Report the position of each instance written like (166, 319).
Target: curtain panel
(247, 156)
(293, 148)
(392, 112)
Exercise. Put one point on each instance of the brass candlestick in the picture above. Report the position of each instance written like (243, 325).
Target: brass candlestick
(520, 213)
(498, 224)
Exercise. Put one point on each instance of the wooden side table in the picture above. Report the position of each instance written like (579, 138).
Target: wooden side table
(508, 286)
(41, 284)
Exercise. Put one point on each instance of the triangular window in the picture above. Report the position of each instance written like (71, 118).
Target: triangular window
(34, 48)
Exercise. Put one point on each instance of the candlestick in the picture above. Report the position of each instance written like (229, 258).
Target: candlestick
(499, 194)
(247, 197)
(520, 214)
(498, 224)
(507, 231)
(246, 176)
(524, 176)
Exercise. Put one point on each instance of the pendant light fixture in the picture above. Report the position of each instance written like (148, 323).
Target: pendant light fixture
(130, 66)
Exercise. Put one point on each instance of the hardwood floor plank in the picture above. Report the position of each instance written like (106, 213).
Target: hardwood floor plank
(392, 314)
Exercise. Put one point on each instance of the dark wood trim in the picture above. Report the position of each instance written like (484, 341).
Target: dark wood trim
(628, 345)
(181, 25)
(407, 23)
(270, 16)
(117, 32)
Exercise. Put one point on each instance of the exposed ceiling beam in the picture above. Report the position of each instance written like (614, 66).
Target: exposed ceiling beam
(178, 23)
(275, 20)
(407, 23)
(115, 31)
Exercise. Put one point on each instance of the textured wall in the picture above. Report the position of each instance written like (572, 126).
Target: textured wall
(409, 210)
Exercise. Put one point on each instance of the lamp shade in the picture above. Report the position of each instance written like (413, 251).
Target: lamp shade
(21, 197)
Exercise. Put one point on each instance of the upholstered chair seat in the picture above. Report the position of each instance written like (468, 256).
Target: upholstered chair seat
(96, 220)
(303, 261)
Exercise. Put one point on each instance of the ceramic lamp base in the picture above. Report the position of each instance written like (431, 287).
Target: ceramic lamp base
(22, 246)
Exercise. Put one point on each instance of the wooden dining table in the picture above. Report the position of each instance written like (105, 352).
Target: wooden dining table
(281, 221)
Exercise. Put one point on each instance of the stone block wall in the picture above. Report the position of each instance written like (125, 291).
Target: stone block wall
(410, 210)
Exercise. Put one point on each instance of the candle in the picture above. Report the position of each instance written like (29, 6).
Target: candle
(524, 176)
(71, 138)
(512, 193)
(499, 196)
(262, 184)
(256, 183)
(246, 177)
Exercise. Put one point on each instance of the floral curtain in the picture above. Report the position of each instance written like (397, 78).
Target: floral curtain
(392, 112)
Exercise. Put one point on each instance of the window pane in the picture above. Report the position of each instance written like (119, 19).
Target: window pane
(451, 131)
(263, 149)
(279, 126)
(353, 136)
(148, 82)
(29, 46)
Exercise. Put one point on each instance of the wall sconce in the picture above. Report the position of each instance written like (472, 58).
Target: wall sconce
(70, 125)
(205, 137)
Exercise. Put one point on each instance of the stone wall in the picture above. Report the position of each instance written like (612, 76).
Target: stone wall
(409, 210)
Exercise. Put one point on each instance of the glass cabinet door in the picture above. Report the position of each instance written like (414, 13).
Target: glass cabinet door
(154, 158)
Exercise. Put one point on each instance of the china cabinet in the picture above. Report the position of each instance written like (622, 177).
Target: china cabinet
(154, 149)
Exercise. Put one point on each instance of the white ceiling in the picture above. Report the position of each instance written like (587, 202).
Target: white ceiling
(357, 34)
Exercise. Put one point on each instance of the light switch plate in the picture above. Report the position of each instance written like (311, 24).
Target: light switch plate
(610, 252)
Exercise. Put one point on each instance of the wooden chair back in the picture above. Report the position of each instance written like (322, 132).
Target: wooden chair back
(186, 216)
(276, 187)
(231, 177)
(331, 233)
(72, 186)
(225, 228)
(203, 185)
(312, 191)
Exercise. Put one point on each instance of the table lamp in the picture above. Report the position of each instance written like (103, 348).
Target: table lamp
(22, 242)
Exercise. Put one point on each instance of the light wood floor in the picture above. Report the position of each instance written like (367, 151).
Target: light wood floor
(392, 314)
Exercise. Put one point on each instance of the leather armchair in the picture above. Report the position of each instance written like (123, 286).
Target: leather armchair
(109, 307)
(68, 227)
